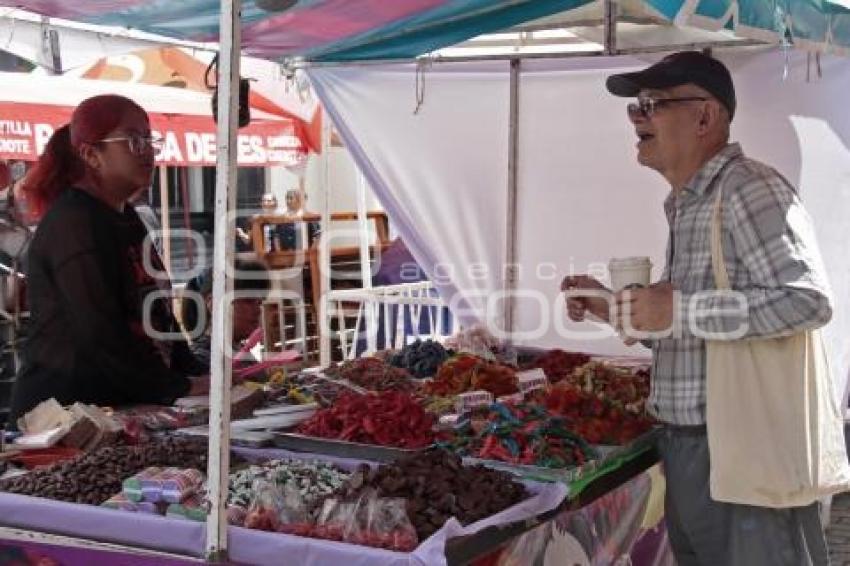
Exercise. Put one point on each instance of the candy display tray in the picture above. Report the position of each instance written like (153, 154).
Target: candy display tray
(341, 448)
(606, 456)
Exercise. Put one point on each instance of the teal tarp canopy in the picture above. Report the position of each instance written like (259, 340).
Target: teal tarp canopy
(341, 30)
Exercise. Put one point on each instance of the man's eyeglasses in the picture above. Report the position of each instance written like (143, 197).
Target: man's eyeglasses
(138, 144)
(645, 107)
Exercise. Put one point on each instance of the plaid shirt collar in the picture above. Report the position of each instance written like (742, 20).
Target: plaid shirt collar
(703, 178)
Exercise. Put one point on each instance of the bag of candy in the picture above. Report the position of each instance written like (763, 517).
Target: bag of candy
(266, 507)
(294, 518)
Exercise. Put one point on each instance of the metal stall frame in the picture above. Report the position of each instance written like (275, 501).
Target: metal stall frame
(218, 464)
(216, 549)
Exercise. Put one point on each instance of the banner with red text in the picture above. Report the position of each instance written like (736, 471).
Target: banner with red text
(187, 139)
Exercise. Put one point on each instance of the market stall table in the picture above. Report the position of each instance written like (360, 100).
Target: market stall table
(178, 540)
(375, 391)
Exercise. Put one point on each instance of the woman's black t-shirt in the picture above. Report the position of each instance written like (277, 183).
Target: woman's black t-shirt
(89, 338)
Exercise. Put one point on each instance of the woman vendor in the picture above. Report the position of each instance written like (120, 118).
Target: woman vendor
(101, 329)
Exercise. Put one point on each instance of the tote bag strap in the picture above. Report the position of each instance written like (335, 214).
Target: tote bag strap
(718, 263)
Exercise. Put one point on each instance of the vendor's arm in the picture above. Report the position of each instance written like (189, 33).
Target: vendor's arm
(774, 242)
(89, 287)
(186, 362)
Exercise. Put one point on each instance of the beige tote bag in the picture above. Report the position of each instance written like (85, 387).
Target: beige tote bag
(775, 430)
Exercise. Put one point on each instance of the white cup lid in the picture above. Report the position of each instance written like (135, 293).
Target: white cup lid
(624, 262)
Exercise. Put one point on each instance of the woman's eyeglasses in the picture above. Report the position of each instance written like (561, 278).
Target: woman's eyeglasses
(137, 143)
(645, 107)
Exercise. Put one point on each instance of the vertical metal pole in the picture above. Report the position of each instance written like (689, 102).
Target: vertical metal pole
(222, 332)
(324, 249)
(187, 222)
(610, 23)
(165, 217)
(50, 54)
(365, 263)
(510, 271)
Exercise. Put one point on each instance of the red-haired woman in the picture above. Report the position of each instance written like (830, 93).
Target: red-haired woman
(90, 338)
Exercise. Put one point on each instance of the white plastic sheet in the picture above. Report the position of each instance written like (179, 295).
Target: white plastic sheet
(442, 173)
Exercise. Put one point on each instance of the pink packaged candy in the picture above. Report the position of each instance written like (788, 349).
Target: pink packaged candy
(181, 485)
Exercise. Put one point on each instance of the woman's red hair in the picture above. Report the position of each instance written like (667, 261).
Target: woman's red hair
(60, 166)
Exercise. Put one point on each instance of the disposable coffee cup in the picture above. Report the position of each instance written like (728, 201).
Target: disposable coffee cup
(628, 272)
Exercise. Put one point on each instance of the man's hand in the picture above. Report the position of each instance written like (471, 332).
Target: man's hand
(597, 302)
(649, 309)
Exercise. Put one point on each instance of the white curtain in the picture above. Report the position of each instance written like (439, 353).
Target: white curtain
(439, 173)
(442, 173)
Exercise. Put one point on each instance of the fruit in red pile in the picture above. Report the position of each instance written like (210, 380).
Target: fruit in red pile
(596, 420)
(389, 418)
(626, 388)
(558, 364)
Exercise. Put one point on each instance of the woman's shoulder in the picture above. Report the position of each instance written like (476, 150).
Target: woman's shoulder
(74, 220)
(72, 204)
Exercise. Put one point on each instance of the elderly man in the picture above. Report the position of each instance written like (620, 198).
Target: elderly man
(682, 114)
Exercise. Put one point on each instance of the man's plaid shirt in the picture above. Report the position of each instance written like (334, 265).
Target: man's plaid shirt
(771, 256)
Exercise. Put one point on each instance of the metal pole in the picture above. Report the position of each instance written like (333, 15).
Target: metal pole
(50, 55)
(510, 271)
(222, 331)
(365, 263)
(693, 46)
(165, 217)
(187, 219)
(610, 30)
(324, 249)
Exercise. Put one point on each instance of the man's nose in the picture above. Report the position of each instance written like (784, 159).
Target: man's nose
(637, 117)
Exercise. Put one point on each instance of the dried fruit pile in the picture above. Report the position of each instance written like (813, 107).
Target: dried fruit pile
(437, 486)
(373, 374)
(421, 359)
(523, 433)
(596, 420)
(309, 388)
(466, 372)
(95, 477)
(558, 364)
(439, 406)
(386, 419)
(624, 388)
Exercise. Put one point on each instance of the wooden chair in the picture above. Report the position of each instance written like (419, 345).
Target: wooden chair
(344, 261)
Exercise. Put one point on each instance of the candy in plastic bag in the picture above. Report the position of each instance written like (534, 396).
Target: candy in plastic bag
(266, 507)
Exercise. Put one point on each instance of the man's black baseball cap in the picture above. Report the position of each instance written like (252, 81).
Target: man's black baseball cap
(677, 69)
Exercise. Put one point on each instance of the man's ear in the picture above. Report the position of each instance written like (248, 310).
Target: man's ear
(709, 116)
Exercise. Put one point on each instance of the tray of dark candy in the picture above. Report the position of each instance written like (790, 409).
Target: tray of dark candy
(342, 448)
